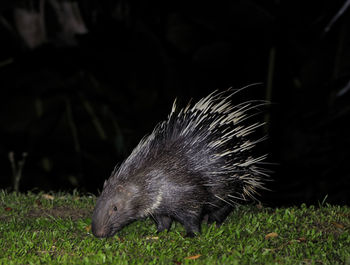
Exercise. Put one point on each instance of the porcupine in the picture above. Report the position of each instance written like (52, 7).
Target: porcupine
(195, 165)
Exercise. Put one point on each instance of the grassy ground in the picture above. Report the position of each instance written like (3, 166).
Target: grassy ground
(55, 229)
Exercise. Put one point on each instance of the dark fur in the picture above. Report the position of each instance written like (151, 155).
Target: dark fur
(173, 175)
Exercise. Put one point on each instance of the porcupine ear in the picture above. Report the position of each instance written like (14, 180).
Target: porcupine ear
(120, 188)
(128, 189)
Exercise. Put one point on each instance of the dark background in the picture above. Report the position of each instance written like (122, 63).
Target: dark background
(83, 81)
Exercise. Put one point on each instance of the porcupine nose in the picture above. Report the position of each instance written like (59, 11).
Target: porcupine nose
(98, 230)
(95, 230)
(98, 226)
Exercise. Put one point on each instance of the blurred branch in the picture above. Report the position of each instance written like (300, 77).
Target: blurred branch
(72, 125)
(30, 25)
(269, 85)
(341, 11)
(344, 90)
(70, 20)
(95, 121)
(17, 169)
(121, 11)
(6, 62)
(340, 49)
(5, 24)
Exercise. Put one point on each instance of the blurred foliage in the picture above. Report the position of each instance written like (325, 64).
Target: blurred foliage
(78, 104)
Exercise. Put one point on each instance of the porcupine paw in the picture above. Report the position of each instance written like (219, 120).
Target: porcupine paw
(192, 227)
(163, 223)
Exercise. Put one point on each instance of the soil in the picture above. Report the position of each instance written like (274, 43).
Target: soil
(63, 212)
(60, 212)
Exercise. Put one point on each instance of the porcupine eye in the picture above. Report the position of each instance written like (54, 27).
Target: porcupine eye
(115, 208)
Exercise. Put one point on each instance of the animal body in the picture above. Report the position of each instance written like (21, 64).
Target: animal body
(195, 165)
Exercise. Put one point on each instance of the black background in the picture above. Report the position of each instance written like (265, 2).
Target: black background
(78, 104)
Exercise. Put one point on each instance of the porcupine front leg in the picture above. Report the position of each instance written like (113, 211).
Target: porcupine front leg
(163, 222)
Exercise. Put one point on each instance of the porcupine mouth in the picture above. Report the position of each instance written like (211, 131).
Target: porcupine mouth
(114, 229)
(111, 232)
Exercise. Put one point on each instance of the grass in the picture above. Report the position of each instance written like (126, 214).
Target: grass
(55, 229)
